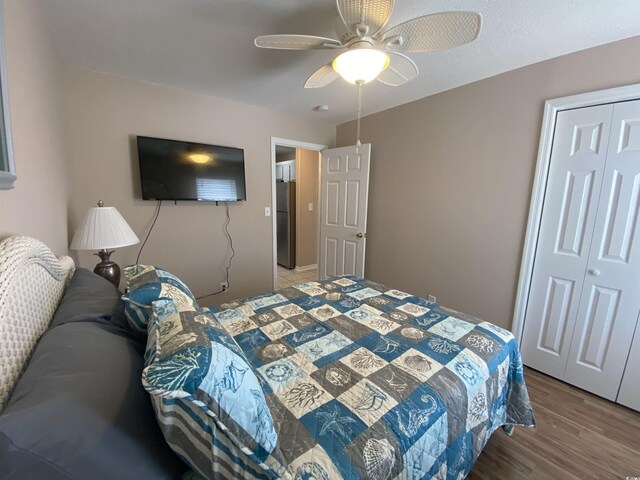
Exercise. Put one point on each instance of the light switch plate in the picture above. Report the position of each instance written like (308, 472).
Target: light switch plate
(311, 207)
(267, 211)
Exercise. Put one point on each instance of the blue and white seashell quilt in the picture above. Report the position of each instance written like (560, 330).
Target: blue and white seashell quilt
(366, 382)
(200, 382)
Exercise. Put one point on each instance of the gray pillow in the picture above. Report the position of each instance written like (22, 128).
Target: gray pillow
(89, 297)
(79, 411)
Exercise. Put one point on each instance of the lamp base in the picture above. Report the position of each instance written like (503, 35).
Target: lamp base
(106, 268)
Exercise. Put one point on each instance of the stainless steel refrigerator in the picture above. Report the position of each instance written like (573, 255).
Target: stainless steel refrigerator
(286, 223)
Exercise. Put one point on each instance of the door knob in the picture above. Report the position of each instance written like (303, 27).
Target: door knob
(595, 272)
(361, 235)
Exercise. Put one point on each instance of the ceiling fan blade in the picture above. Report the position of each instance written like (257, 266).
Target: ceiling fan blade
(401, 69)
(429, 33)
(371, 13)
(295, 42)
(322, 77)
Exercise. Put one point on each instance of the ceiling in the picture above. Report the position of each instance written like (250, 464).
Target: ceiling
(207, 46)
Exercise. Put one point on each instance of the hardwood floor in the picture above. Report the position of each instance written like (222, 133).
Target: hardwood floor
(578, 436)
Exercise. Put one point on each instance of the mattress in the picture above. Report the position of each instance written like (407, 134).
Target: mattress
(369, 382)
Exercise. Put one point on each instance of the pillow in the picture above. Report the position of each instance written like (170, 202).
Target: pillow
(79, 411)
(89, 297)
(194, 365)
(145, 284)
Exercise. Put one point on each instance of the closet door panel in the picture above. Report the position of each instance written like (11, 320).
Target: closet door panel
(571, 201)
(610, 302)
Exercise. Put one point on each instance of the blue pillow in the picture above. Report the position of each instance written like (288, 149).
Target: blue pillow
(146, 284)
(195, 370)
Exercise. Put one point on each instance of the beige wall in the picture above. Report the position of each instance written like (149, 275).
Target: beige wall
(105, 113)
(285, 157)
(37, 206)
(307, 163)
(451, 178)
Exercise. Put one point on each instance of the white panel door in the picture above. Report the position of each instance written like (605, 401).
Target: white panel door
(610, 299)
(575, 175)
(344, 195)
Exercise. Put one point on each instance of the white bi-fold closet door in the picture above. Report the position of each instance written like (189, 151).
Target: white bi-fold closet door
(584, 300)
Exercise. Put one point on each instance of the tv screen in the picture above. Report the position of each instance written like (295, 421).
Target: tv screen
(176, 170)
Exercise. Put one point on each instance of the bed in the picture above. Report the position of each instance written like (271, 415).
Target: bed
(361, 381)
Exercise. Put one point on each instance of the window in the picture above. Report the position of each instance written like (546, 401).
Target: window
(216, 189)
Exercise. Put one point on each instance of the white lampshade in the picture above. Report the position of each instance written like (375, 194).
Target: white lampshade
(360, 65)
(103, 228)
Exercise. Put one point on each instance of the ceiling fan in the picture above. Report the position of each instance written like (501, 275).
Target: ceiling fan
(373, 51)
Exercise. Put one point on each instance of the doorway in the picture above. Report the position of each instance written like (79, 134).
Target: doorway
(295, 173)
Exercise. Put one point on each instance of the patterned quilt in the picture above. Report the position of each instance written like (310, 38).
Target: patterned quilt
(366, 382)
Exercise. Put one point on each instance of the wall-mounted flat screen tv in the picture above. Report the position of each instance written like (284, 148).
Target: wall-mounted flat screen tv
(177, 170)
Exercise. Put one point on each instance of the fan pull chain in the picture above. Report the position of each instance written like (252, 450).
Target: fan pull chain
(359, 116)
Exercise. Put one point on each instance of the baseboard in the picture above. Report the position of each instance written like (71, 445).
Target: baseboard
(306, 267)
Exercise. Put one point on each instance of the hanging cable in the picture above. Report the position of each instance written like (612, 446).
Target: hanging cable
(233, 254)
(155, 219)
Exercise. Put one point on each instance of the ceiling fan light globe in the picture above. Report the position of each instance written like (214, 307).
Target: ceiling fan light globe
(360, 65)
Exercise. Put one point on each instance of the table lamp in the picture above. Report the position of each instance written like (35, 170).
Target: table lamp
(103, 228)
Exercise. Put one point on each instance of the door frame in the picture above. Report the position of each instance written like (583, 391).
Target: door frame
(284, 142)
(551, 109)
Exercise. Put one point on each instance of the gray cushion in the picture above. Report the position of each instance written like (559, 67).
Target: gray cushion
(89, 297)
(79, 411)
